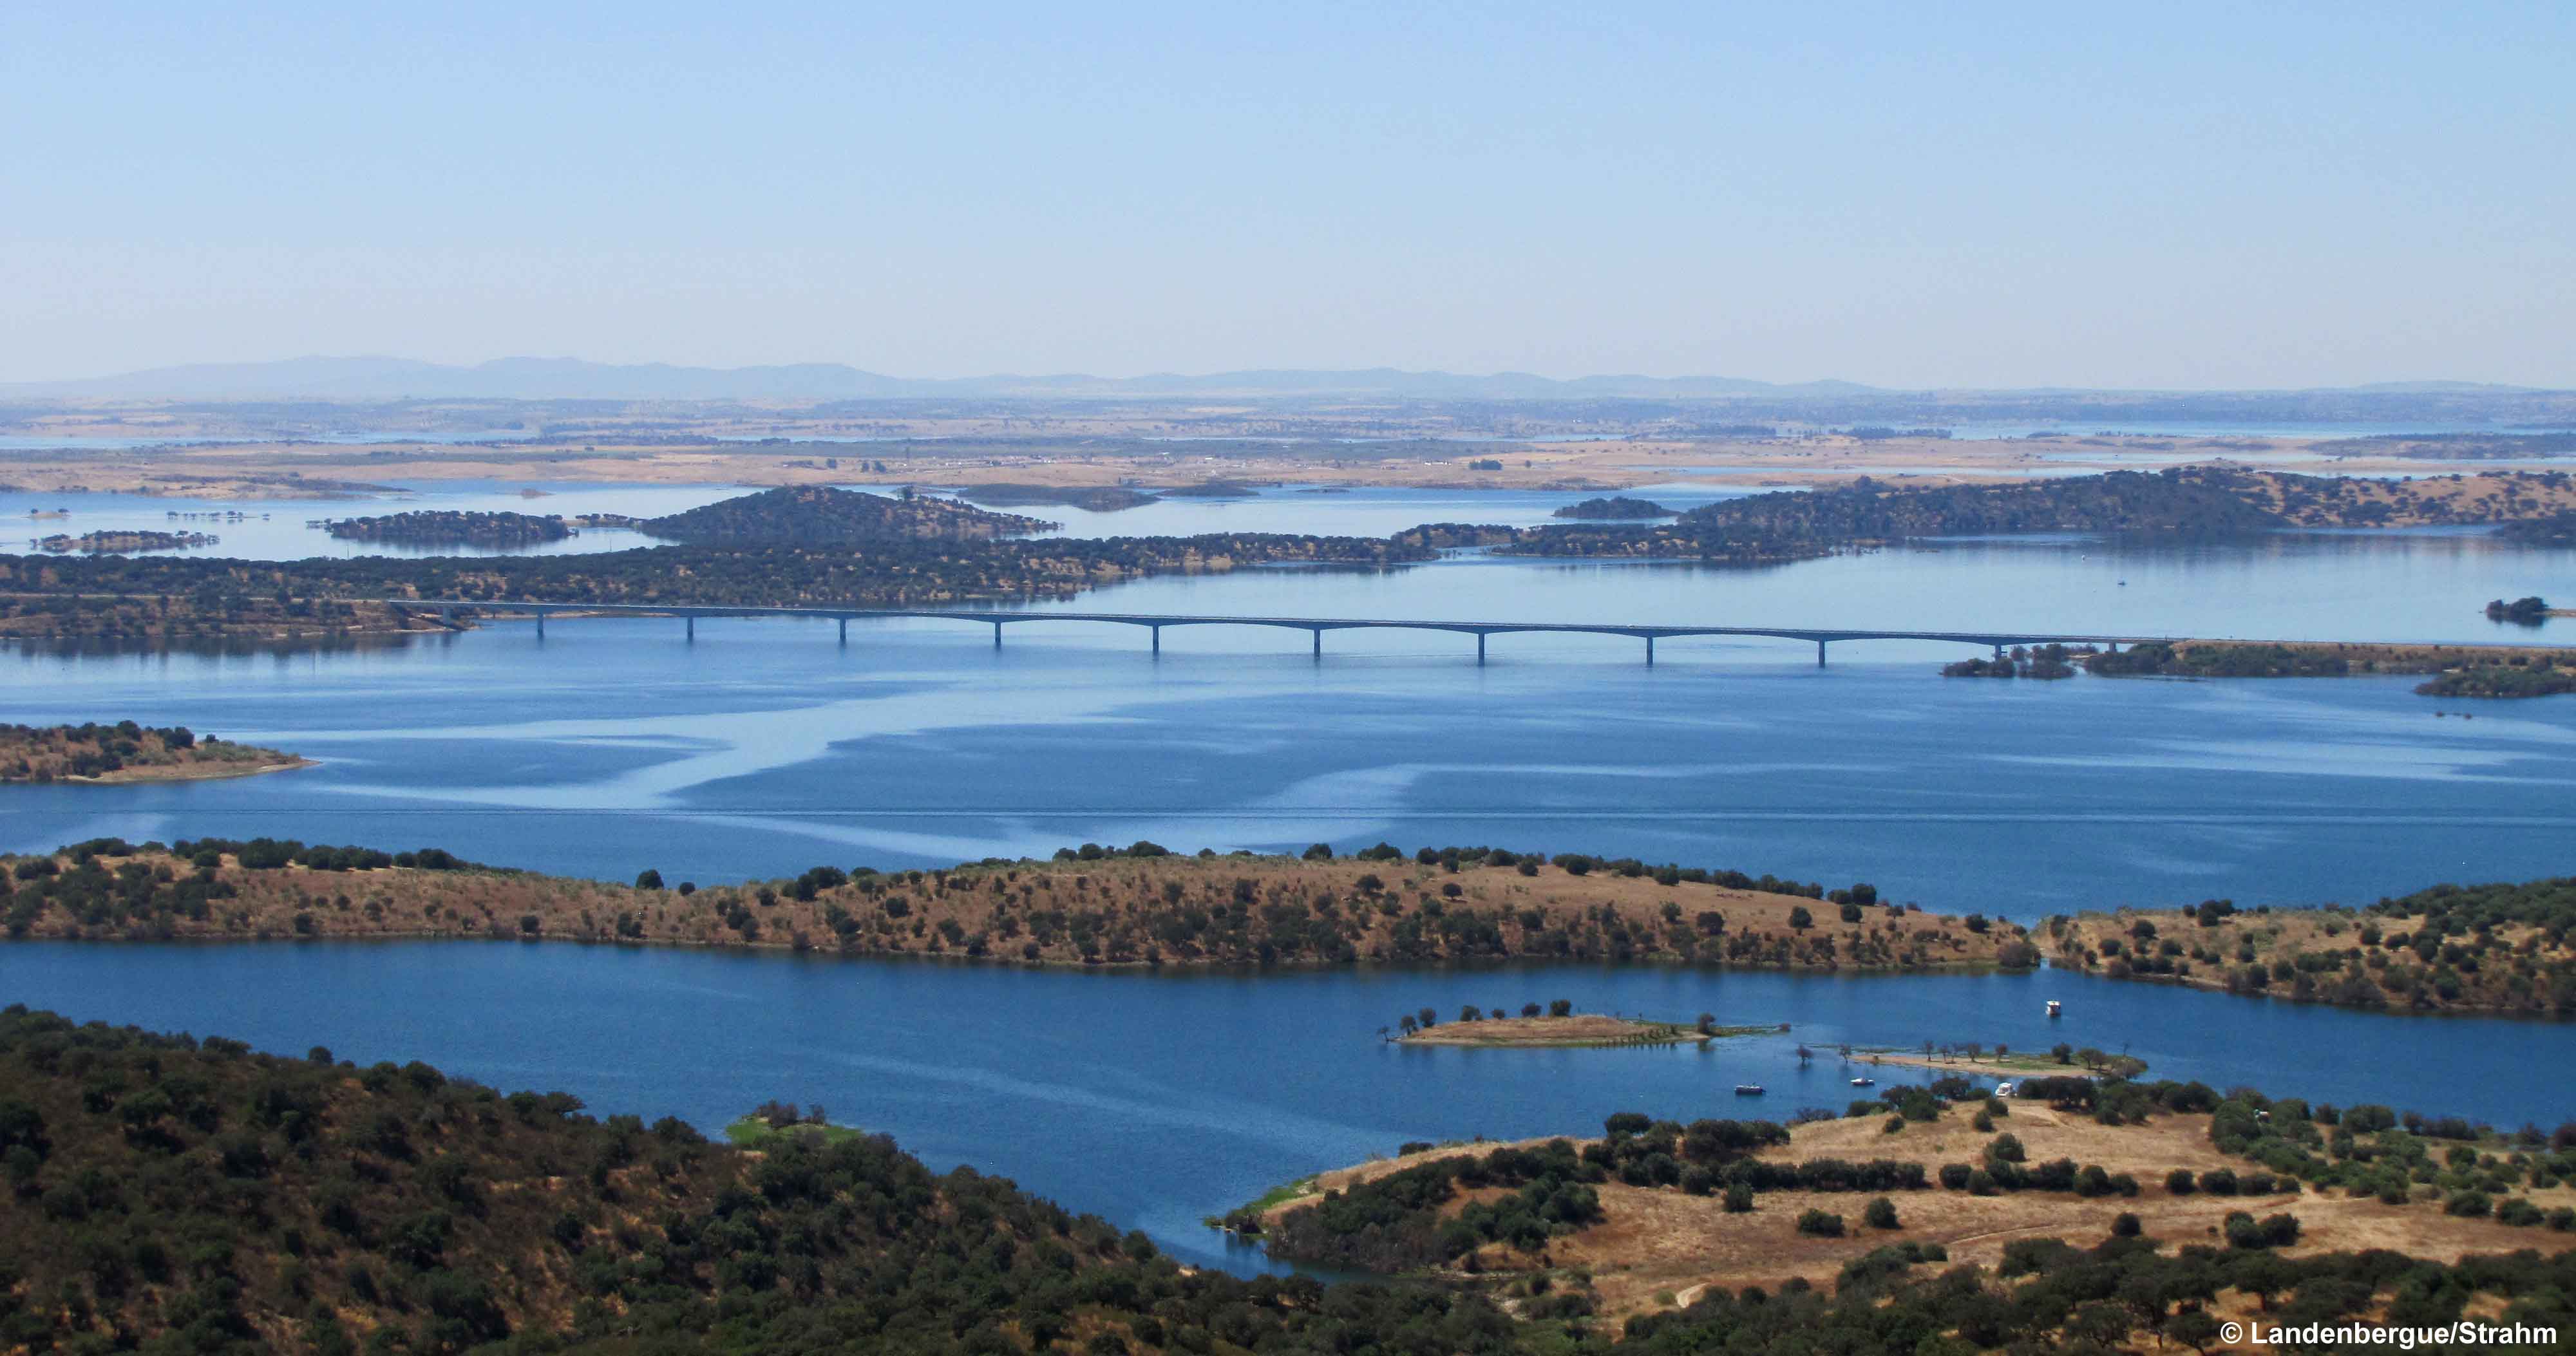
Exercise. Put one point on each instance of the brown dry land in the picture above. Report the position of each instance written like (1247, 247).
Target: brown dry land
(1153, 911)
(81, 754)
(1860, 1062)
(1111, 452)
(2507, 967)
(1579, 1029)
(1659, 1242)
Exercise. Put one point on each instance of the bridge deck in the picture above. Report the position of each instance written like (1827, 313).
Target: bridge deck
(1157, 621)
(1000, 617)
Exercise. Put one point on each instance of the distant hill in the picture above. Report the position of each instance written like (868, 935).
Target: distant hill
(819, 513)
(383, 378)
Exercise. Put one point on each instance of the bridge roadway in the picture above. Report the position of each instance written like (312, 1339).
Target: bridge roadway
(1155, 623)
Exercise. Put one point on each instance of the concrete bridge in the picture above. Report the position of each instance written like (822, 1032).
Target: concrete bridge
(1155, 624)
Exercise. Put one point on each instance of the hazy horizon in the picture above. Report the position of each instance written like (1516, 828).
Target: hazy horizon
(2189, 198)
(207, 378)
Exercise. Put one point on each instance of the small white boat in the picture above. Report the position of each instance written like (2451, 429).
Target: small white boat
(2054, 1010)
(1748, 1089)
(1864, 1082)
(2003, 1089)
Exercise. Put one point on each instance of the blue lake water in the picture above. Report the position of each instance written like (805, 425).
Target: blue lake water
(1157, 1101)
(611, 745)
(765, 747)
(276, 529)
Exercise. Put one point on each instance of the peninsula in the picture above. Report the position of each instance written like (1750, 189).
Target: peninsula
(2067, 1187)
(128, 752)
(2500, 947)
(1139, 906)
(433, 1213)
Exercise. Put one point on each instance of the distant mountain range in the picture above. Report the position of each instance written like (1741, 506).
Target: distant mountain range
(377, 378)
(380, 378)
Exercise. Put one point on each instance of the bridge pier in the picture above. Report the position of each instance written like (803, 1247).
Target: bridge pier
(1319, 641)
(1820, 654)
(541, 626)
(1158, 641)
(845, 631)
(1999, 649)
(997, 635)
(1650, 652)
(692, 620)
(1480, 649)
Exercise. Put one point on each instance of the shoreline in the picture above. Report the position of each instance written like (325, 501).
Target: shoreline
(1576, 1031)
(184, 772)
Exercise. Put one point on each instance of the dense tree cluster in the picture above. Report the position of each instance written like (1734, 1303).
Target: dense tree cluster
(820, 513)
(191, 1196)
(2220, 661)
(2558, 529)
(2197, 500)
(452, 527)
(116, 595)
(1615, 506)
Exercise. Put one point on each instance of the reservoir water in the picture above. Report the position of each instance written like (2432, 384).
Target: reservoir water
(763, 747)
(615, 744)
(1157, 1101)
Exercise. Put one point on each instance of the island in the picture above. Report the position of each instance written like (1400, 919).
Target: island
(2458, 670)
(1611, 507)
(1559, 1026)
(822, 513)
(2204, 501)
(128, 752)
(2530, 611)
(2498, 947)
(1093, 498)
(1138, 907)
(810, 545)
(450, 527)
(775, 548)
(92, 543)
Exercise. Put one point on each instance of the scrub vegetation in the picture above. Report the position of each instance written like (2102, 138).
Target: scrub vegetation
(176, 1194)
(2259, 1196)
(127, 752)
(1138, 906)
(2500, 947)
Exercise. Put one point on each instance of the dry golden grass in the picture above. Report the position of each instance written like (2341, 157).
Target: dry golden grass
(1578, 1029)
(1661, 1241)
(1111, 912)
(2281, 935)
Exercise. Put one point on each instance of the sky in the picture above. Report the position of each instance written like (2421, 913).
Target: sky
(1911, 195)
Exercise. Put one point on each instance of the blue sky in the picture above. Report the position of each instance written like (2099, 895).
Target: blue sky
(1912, 195)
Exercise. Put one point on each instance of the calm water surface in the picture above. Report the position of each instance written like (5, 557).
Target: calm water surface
(612, 745)
(1157, 1101)
(765, 747)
